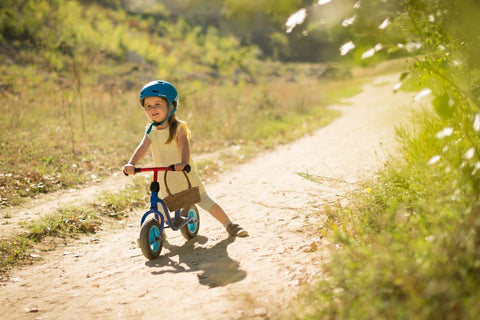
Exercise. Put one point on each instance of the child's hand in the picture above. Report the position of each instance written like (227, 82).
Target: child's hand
(129, 169)
(180, 166)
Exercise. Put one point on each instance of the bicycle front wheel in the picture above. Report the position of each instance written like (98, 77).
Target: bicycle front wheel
(151, 241)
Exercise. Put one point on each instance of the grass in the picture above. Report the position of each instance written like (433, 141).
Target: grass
(66, 223)
(69, 222)
(406, 246)
(119, 203)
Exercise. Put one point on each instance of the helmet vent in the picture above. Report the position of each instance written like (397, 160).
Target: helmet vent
(156, 91)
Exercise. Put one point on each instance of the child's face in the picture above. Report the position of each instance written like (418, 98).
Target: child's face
(156, 108)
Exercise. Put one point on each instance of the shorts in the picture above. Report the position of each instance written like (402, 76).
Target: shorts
(206, 203)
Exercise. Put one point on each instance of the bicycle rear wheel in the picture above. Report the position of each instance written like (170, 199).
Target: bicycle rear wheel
(190, 230)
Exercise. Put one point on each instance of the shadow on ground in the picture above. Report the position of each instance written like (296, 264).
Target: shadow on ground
(213, 266)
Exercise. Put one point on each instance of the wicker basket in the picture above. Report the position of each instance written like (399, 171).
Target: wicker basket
(182, 199)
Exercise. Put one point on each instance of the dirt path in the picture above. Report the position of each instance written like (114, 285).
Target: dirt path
(215, 277)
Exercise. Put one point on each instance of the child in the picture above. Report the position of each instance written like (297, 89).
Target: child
(169, 139)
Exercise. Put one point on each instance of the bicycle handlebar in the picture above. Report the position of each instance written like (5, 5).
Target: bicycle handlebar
(156, 169)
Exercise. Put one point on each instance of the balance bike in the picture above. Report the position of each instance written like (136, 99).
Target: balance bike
(187, 220)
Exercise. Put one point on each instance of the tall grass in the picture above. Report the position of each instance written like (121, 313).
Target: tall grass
(45, 143)
(53, 137)
(407, 245)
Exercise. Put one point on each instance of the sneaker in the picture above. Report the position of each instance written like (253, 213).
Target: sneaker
(234, 230)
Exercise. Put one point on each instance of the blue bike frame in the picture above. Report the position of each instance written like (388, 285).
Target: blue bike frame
(155, 200)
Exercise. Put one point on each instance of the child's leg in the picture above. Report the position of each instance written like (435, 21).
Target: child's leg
(207, 204)
(233, 230)
(217, 212)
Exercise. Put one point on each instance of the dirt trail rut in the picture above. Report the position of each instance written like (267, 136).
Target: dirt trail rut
(215, 277)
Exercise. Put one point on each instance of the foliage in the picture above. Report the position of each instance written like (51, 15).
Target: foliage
(443, 42)
(255, 22)
(408, 242)
(40, 16)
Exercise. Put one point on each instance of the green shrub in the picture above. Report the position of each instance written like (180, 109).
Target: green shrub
(408, 243)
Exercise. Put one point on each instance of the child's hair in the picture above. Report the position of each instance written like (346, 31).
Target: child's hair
(172, 130)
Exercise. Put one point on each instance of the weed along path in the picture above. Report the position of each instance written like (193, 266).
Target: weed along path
(105, 276)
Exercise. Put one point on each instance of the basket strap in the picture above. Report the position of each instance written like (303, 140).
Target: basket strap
(166, 185)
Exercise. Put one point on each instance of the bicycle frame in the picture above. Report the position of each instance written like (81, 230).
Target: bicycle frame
(155, 200)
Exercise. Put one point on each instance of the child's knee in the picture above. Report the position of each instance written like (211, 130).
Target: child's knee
(206, 203)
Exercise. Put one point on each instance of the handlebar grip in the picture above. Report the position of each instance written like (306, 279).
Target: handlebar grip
(187, 168)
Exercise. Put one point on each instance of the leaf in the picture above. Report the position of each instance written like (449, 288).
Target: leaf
(442, 107)
(393, 49)
(404, 75)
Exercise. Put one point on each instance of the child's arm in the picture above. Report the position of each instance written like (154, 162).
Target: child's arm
(184, 147)
(138, 154)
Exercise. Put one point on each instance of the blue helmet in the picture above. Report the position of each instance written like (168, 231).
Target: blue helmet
(159, 88)
(164, 89)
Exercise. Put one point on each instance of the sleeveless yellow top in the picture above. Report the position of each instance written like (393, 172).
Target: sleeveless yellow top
(168, 154)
